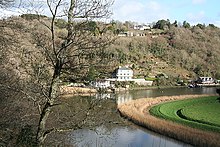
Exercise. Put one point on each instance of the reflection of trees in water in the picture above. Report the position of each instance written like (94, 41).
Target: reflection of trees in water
(99, 136)
(103, 136)
(119, 136)
(78, 113)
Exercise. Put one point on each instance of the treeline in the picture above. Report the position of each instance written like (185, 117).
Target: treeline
(166, 24)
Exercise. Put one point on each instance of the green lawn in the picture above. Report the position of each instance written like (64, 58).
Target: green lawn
(202, 113)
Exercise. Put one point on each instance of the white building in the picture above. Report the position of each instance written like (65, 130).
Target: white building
(142, 27)
(124, 74)
(206, 80)
(101, 84)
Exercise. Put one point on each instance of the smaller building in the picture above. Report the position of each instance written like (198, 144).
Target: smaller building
(205, 80)
(126, 34)
(143, 82)
(102, 83)
(142, 27)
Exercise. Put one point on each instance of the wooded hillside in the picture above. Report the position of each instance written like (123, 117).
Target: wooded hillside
(178, 52)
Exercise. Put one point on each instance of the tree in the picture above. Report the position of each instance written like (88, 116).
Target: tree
(175, 24)
(201, 26)
(92, 74)
(212, 26)
(76, 49)
(162, 24)
(186, 24)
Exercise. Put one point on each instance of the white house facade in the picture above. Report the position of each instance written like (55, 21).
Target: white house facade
(124, 74)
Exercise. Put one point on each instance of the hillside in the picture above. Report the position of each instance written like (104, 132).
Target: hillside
(178, 53)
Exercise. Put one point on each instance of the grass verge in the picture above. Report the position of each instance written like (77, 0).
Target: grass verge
(201, 113)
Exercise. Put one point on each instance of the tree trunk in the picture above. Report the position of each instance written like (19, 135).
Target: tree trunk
(52, 95)
(41, 133)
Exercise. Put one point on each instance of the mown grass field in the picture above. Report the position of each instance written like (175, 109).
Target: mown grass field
(202, 113)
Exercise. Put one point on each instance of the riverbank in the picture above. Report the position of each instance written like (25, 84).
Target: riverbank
(68, 90)
(138, 112)
(74, 90)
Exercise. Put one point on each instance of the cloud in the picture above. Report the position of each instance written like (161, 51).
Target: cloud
(139, 11)
(198, 1)
(131, 8)
(196, 17)
(7, 12)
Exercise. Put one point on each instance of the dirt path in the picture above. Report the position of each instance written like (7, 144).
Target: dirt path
(138, 112)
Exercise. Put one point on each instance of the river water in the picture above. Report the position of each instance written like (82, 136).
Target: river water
(106, 128)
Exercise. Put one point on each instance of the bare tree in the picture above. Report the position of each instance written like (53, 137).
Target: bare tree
(76, 49)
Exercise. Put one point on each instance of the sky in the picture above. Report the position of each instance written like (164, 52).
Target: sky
(148, 11)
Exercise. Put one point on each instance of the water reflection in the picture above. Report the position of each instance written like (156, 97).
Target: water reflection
(103, 95)
(136, 94)
(120, 137)
(106, 128)
(123, 97)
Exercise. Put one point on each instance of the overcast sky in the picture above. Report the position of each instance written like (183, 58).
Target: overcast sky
(147, 11)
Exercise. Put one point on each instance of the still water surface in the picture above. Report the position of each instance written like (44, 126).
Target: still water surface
(123, 133)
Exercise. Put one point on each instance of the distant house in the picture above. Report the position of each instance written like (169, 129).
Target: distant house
(126, 34)
(124, 74)
(205, 80)
(102, 83)
(142, 27)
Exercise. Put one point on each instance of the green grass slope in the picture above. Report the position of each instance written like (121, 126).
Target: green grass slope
(202, 113)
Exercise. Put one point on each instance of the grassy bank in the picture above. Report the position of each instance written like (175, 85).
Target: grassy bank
(199, 113)
(138, 112)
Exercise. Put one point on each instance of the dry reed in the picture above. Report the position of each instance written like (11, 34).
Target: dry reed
(138, 112)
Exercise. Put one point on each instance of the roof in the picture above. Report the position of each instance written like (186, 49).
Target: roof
(124, 68)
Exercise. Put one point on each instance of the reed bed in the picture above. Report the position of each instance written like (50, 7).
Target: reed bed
(138, 112)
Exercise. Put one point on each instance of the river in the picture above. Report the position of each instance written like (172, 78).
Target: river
(106, 128)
